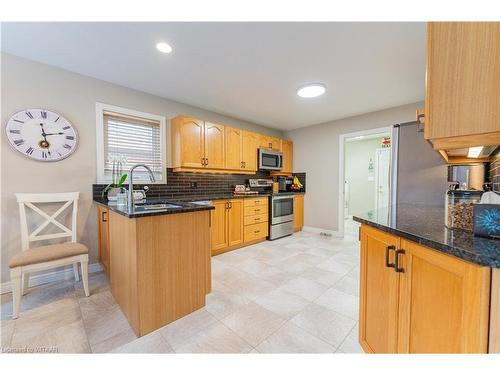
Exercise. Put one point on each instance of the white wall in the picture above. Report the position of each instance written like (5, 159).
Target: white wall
(316, 150)
(28, 84)
(361, 187)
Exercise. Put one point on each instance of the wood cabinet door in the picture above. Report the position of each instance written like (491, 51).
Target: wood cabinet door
(235, 222)
(298, 212)
(214, 146)
(379, 287)
(219, 225)
(463, 65)
(192, 142)
(251, 144)
(287, 149)
(103, 239)
(234, 148)
(443, 304)
(275, 143)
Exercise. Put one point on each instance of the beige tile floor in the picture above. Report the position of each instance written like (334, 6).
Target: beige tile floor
(294, 295)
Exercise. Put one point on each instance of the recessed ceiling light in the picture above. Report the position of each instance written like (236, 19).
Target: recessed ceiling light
(474, 152)
(312, 90)
(163, 47)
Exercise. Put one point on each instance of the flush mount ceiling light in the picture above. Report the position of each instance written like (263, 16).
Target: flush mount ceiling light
(163, 47)
(312, 90)
(474, 152)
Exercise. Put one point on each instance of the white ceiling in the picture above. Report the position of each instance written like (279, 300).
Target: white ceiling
(249, 71)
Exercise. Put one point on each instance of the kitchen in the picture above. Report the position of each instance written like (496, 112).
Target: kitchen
(204, 232)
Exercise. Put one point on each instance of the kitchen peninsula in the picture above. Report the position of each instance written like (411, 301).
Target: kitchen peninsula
(426, 288)
(159, 260)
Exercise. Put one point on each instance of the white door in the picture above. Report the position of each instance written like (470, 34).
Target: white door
(382, 173)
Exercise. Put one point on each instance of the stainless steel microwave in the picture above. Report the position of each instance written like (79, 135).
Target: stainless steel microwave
(270, 160)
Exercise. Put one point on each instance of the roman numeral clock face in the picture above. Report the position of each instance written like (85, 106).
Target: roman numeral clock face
(41, 134)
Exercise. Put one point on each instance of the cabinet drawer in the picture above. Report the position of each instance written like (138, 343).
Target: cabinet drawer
(254, 202)
(255, 210)
(255, 232)
(255, 219)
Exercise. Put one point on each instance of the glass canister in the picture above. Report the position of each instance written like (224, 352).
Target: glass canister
(459, 212)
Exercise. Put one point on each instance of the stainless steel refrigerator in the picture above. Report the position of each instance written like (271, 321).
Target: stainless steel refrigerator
(419, 173)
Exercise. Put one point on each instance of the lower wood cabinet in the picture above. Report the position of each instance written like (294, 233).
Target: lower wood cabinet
(298, 214)
(236, 222)
(227, 225)
(103, 238)
(414, 299)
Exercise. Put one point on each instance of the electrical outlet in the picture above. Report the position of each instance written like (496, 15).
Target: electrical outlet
(325, 234)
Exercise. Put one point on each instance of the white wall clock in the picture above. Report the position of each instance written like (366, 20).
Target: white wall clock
(41, 134)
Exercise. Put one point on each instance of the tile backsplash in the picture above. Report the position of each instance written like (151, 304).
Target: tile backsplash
(494, 170)
(187, 184)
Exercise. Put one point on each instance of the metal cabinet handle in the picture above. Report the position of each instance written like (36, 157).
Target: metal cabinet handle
(387, 254)
(396, 261)
(256, 231)
(206, 161)
(226, 205)
(257, 219)
(244, 164)
(104, 220)
(230, 204)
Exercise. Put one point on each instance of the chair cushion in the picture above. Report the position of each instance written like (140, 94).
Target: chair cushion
(47, 253)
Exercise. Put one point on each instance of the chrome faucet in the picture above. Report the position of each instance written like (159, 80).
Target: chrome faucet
(131, 183)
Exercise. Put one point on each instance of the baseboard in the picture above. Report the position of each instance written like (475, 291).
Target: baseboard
(332, 233)
(49, 277)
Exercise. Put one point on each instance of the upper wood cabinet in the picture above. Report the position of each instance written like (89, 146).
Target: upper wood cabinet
(273, 143)
(423, 301)
(287, 149)
(250, 146)
(188, 142)
(234, 148)
(462, 103)
(199, 145)
(214, 146)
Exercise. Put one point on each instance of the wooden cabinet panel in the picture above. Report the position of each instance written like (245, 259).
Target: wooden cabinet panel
(256, 231)
(250, 145)
(463, 74)
(235, 222)
(253, 202)
(214, 146)
(287, 149)
(234, 148)
(443, 303)
(298, 214)
(267, 141)
(189, 137)
(379, 288)
(256, 210)
(219, 225)
(103, 237)
(255, 219)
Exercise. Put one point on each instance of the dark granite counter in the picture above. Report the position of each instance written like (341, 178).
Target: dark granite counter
(425, 225)
(153, 207)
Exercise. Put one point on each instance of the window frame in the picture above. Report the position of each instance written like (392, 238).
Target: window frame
(101, 108)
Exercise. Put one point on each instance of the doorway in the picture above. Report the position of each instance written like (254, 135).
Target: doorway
(364, 181)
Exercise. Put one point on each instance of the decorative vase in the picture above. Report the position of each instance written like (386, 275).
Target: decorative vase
(112, 193)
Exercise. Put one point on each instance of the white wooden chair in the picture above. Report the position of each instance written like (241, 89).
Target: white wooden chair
(33, 259)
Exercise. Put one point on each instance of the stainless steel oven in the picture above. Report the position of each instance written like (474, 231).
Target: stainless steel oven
(270, 160)
(282, 213)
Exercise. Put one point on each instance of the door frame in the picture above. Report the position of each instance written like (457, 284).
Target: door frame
(377, 164)
(342, 140)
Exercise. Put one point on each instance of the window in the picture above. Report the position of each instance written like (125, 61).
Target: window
(133, 138)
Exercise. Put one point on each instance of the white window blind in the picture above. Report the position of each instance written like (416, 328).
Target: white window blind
(134, 140)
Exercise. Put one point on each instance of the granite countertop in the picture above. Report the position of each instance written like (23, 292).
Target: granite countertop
(425, 225)
(184, 201)
(139, 211)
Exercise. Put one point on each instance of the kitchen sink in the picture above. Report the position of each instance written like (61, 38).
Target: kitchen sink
(156, 207)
